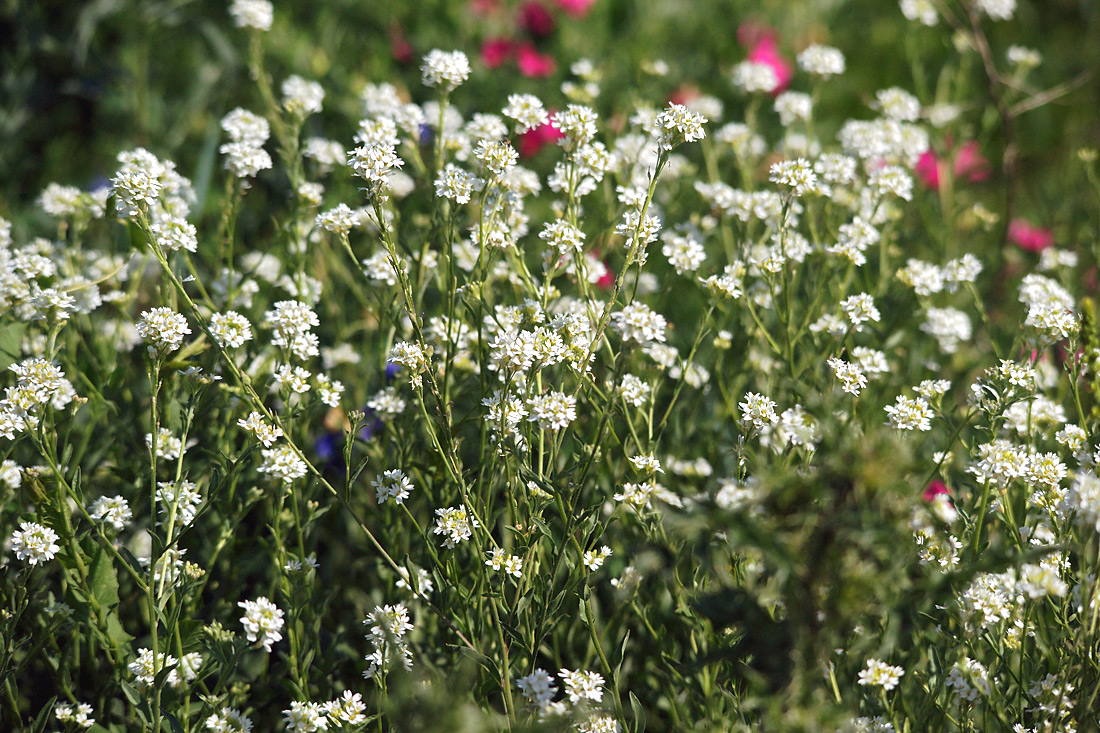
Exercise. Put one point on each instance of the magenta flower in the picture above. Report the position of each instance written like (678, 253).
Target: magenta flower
(576, 8)
(532, 63)
(763, 44)
(496, 51)
(969, 166)
(1029, 237)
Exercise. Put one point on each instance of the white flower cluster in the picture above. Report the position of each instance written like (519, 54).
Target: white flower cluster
(183, 670)
(500, 560)
(389, 626)
(39, 383)
(292, 322)
(283, 463)
(81, 717)
(455, 524)
(244, 153)
(256, 14)
(112, 510)
(392, 484)
(163, 329)
(678, 124)
(262, 621)
(34, 543)
(445, 70)
(880, 674)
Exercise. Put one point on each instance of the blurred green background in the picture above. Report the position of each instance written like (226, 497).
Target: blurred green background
(81, 81)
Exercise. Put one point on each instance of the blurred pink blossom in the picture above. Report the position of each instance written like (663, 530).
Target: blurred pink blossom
(1029, 237)
(536, 19)
(576, 8)
(533, 141)
(763, 44)
(934, 489)
(496, 51)
(969, 166)
(532, 63)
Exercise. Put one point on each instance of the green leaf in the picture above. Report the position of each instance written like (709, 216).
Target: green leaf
(173, 723)
(103, 581)
(116, 632)
(11, 336)
(43, 718)
(639, 713)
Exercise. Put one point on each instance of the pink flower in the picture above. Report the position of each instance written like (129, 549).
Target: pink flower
(607, 279)
(400, 48)
(532, 63)
(484, 7)
(934, 489)
(496, 51)
(684, 94)
(536, 19)
(763, 46)
(969, 166)
(928, 169)
(576, 8)
(532, 141)
(1028, 236)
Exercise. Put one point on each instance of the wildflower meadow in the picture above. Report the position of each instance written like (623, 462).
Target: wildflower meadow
(550, 365)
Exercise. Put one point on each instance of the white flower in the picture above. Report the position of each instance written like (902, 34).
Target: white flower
(229, 720)
(257, 14)
(301, 96)
(639, 323)
(456, 184)
(997, 9)
(264, 432)
(347, 709)
(758, 410)
(497, 157)
(305, 717)
(635, 495)
(114, 511)
(824, 61)
(445, 70)
(455, 524)
(793, 106)
(920, 10)
(553, 410)
(11, 475)
(909, 414)
(860, 309)
(283, 463)
(247, 127)
(798, 175)
(593, 559)
(262, 621)
(577, 122)
(897, 104)
(500, 560)
(581, 685)
(34, 543)
(392, 484)
(81, 717)
(750, 76)
(527, 111)
(677, 124)
(852, 379)
(244, 159)
(230, 329)
(880, 674)
(163, 328)
(538, 687)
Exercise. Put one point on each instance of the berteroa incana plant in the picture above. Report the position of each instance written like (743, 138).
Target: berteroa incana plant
(710, 414)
